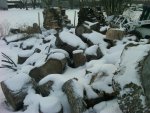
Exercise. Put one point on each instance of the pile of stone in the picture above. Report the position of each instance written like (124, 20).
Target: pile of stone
(55, 18)
(54, 52)
(131, 82)
(89, 18)
(55, 62)
(28, 30)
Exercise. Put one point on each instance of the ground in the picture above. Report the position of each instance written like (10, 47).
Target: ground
(18, 18)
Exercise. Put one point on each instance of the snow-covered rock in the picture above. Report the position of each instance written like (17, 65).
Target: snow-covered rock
(131, 81)
(69, 42)
(94, 38)
(93, 53)
(15, 89)
(74, 92)
(50, 104)
(115, 34)
(79, 58)
(55, 64)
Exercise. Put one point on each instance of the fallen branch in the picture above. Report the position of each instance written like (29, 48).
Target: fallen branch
(9, 63)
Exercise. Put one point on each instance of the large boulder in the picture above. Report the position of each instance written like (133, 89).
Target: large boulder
(95, 38)
(100, 86)
(82, 29)
(131, 81)
(52, 18)
(69, 42)
(93, 53)
(45, 88)
(74, 93)
(115, 34)
(15, 90)
(79, 58)
(55, 64)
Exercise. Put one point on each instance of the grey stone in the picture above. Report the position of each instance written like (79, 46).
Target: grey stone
(98, 55)
(144, 72)
(21, 59)
(76, 102)
(62, 45)
(14, 98)
(45, 88)
(52, 66)
(81, 29)
(79, 59)
(133, 97)
(115, 34)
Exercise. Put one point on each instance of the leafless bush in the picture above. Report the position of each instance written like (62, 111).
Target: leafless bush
(8, 63)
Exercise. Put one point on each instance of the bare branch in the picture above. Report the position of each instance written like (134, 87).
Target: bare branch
(9, 59)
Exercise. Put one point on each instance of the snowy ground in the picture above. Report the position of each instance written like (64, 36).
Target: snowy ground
(108, 64)
(18, 18)
(14, 18)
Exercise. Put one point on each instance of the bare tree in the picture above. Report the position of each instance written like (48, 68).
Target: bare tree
(47, 3)
(115, 7)
(34, 2)
(25, 4)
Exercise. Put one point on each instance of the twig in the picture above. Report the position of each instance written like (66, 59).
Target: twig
(9, 59)
(10, 63)
(7, 66)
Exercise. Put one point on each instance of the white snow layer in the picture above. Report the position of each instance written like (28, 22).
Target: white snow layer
(104, 67)
(17, 81)
(128, 66)
(72, 40)
(92, 50)
(58, 56)
(50, 104)
(97, 39)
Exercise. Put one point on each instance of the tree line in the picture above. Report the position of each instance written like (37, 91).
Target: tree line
(111, 7)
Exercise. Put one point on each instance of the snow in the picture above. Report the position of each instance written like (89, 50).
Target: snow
(60, 51)
(90, 93)
(107, 107)
(130, 62)
(104, 68)
(77, 51)
(104, 28)
(50, 104)
(36, 58)
(72, 40)
(71, 14)
(78, 88)
(26, 53)
(97, 39)
(14, 37)
(103, 86)
(29, 42)
(58, 56)
(18, 81)
(91, 50)
(88, 24)
(21, 18)
(24, 17)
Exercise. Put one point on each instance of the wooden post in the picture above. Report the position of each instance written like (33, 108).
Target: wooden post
(39, 18)
(74, 19)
